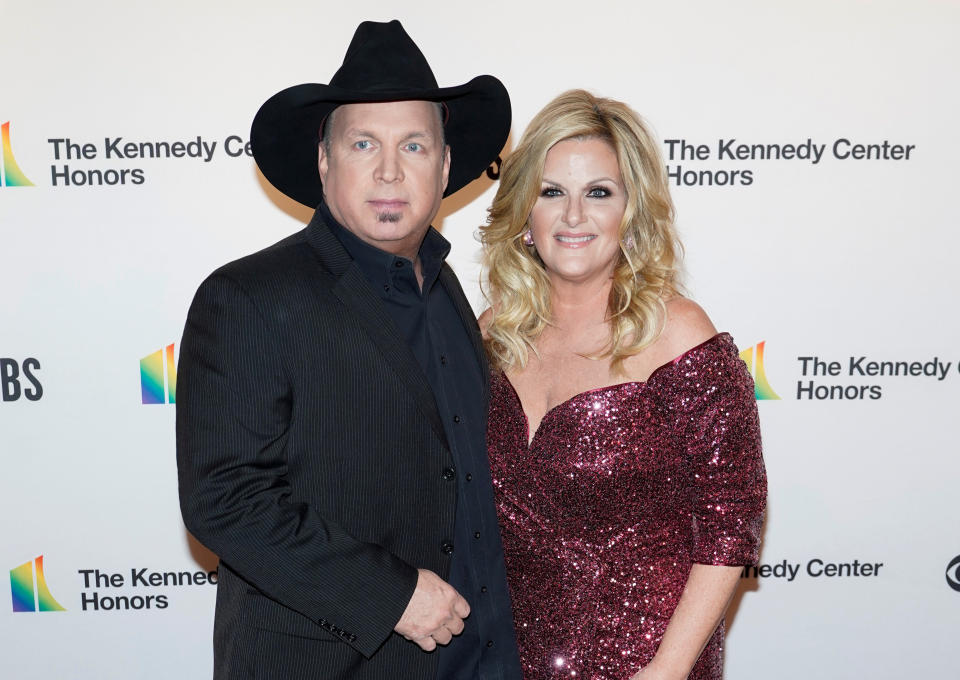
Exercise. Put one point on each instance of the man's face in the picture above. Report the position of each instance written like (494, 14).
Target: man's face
(385, 172)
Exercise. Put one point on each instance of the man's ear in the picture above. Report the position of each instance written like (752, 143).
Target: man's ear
(446, 166)
(323, 163)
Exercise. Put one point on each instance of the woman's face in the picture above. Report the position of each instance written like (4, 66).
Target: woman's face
(576, 219)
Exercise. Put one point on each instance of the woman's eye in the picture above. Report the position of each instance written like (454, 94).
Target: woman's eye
(550, 192)
(598, 192)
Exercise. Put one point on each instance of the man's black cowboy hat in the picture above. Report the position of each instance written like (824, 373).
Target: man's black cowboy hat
(382, 64)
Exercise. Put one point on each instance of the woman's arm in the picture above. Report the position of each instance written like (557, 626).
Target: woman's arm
(703, 603)
(728, 494)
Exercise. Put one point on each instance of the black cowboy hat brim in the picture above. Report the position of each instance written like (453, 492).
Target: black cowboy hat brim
(286, 130)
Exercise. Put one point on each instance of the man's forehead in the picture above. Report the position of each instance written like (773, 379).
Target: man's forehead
(414, 115)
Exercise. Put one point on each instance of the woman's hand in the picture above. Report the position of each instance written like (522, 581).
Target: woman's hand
(702, 605)
(652, 672)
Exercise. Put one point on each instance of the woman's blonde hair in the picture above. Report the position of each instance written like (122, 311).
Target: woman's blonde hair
(646, 272)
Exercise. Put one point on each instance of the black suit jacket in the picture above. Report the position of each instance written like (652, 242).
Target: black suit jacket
(311, 458)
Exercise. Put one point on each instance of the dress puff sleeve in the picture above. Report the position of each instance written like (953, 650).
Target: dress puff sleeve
(727, 480)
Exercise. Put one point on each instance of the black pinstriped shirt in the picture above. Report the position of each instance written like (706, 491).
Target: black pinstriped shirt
(429, 323)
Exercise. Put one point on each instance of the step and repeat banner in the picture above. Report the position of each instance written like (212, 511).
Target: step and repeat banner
(812, 149)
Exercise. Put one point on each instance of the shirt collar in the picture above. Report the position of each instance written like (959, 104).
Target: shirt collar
(379, 266)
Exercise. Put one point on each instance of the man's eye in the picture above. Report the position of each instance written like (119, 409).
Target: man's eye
(362, 145)
(415, 147)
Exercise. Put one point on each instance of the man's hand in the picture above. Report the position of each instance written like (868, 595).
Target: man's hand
(434, 614)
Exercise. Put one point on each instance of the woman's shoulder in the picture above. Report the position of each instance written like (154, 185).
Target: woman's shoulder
(686, 326)
(486, 316)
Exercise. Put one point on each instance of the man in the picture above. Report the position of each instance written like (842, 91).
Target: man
(332, 393)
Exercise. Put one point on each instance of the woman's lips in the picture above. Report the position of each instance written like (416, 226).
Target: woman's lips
(574, 240)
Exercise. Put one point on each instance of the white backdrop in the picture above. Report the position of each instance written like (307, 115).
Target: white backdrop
(839, 259)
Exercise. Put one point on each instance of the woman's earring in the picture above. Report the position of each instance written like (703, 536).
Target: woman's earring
(528, 238)
(628, 242)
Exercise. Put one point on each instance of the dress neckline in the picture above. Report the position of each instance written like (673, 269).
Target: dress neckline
(604, 388)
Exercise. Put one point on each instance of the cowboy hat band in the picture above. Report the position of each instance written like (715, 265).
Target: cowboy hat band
(382, 64)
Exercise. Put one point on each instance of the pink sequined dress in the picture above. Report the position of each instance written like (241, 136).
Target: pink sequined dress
(621, 491)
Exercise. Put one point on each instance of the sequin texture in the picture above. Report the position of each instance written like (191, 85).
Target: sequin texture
(622, 489)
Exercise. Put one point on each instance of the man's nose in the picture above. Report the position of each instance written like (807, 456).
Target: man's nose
(388, 167)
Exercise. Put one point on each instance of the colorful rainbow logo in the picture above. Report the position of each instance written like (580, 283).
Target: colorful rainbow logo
(10, 173)
(761, 386)
(158, 383)
(32, 594)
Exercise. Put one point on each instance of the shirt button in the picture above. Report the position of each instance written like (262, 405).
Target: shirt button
(456, 419)
(489, 643)
(448, 474)
(443, 359)
(446, 548)
(398, 263)
(483, 589)
(469, 477)
(386, 289)
(476, 534)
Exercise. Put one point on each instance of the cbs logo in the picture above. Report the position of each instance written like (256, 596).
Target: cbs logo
(953, 573)
(18, 379)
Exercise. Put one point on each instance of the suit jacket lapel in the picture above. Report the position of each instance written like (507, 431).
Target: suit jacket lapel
(354, 291)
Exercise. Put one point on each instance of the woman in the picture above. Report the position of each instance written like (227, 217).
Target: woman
(623, 429)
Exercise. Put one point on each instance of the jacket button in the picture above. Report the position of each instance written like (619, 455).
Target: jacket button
(456, 419)
(448, 474)
(446, 548)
